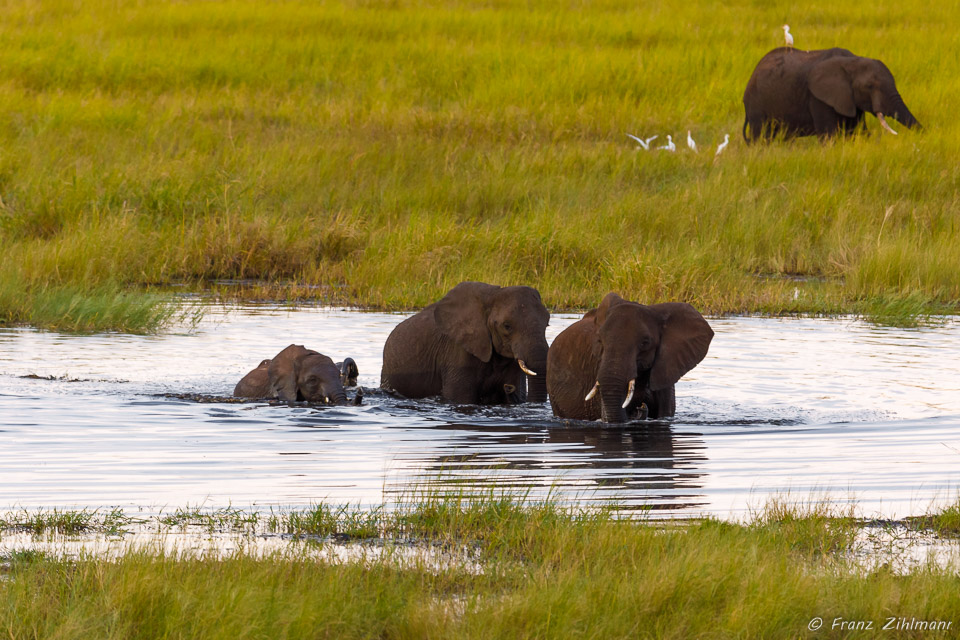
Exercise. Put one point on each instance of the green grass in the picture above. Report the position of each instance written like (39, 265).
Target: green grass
(945, 522)
(378, 153)
(93, 308)
(545, 571)
(67, 522)
(221, 519)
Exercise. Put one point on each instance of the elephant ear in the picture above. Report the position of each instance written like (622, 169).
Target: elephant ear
(609, 301)
(284, 370)
(462, 316)
(830, 83)
(684, 339)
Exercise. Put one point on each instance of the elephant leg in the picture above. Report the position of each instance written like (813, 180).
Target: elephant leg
(826, 121)
(503, 383)
(462, 385)
(662, 404)
(515, 388)
(851, 126)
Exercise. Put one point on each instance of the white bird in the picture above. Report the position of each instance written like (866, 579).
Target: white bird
(786, 35)
(669, 146)
(690, 142)
(722, 145)
(643, 143)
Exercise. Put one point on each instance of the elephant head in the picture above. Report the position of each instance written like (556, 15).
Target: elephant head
(852, 83)
(485, 319)
(348, 372)
(255, 384)
(297, 373)
(644, 349)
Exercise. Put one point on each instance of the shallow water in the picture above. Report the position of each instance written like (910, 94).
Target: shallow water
(830, 408)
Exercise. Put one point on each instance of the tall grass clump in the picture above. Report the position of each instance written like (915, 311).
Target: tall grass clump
(945, 522)
(104, 307)
(322, 148)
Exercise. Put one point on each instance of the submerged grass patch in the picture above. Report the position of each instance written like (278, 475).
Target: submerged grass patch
(545, 571)
(65, 521)
(945, 522)
(87, 309)
(322, 145)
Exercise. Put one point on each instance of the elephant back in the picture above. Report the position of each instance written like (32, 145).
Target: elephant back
(572, 364)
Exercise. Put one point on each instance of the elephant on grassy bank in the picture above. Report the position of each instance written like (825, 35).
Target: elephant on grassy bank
(824, 92)
(295, 374)
(479, 344)
(622, 360)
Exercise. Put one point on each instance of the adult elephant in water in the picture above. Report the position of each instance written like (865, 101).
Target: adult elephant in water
(824, 92)
(296, 373)
(480, 344)
(622, 356)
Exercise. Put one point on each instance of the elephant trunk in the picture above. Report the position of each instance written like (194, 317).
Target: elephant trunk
(337, 396)
(893, 105)
(613, 392)
(537, 384)
(536, 369)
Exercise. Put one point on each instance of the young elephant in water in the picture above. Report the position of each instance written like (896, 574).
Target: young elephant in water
(255, 384)
(348, 372)
(622, 356)
(296, 373)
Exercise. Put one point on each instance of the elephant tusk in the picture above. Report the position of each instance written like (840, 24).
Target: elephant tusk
(525, 370)
(593, 392)
(883, 123)
(630, 389)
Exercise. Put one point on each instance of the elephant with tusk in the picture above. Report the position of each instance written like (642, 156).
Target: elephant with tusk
(825, 92)
(479, 344)
(622, 360)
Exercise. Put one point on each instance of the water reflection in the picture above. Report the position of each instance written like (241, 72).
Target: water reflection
(635, 466)
(801, 405)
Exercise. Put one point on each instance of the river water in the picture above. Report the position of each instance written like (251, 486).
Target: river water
(800, 409)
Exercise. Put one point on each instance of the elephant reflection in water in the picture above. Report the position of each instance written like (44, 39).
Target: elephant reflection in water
(647, 460)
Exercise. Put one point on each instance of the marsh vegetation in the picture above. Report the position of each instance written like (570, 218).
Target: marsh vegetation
(534, 569)
(379, 153)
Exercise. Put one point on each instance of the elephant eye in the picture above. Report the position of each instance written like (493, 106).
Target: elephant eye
(507, 326)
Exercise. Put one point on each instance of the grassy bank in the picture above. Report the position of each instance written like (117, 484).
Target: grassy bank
(534, 571)
(379, 153)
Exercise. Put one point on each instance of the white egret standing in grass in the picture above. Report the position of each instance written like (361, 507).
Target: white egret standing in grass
(786, 35)
(722, 145)
(690, 142)
(669, 146)
(643, 143)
